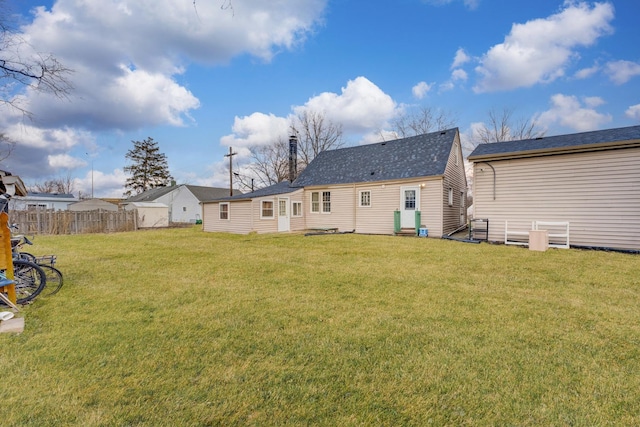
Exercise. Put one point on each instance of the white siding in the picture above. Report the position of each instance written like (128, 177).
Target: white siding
(597, 192)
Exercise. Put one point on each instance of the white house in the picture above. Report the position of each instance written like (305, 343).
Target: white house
(33, 200)
(183, 200)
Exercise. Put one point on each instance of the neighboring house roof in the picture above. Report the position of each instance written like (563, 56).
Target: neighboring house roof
(558, 144)
(412, 157)
(152, 194)
(272, 190)
(50, 196)
(145, 205)
(200, 193)
(208, 193)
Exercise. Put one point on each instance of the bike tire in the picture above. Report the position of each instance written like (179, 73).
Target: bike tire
(30, 280)
(26, 256)
(54, 279)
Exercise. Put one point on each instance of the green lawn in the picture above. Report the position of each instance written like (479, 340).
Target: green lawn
(180, 327)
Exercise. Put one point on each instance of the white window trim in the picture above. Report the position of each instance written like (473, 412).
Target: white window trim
(220, 211)
(273, 209)
(360, 205)
(450, 196)
(299, 214)
(321, 202)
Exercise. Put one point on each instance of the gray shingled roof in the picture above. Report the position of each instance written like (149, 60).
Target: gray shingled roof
(200, 193)
(272, 190)
(209, 193)
(151, 195)
(554, 143)
(416, 156)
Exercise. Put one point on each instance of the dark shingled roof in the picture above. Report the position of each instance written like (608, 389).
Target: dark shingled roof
(279, 188)
(416, 156)
(200, 193)
(556, 143)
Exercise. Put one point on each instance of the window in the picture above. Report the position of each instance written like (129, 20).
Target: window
(315, 202)
(267, 209)
(184, 209)
(450, 196)
(326, 201)
(224, 210)
(365, 199)
(409, 200)
(296, 208)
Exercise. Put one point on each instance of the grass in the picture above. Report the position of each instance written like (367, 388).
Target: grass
(181, 327)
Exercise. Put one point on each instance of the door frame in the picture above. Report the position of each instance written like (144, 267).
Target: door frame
(284, 221)
(408, 216)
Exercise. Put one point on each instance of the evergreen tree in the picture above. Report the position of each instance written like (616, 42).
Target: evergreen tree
(148, 168)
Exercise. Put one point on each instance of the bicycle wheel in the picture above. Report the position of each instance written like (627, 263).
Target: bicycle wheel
(54, 279)
(26, 256)
(30, 280)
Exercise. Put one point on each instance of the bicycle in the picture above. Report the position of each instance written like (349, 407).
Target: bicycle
(29, 280)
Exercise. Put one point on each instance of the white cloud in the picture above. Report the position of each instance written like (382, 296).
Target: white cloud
(585, 73)
(593, 101)
(470, 4)
(65, 161)
(421, 90)
(539, 51)
(361, 106)
(633, 112)
(131, 54)
(570, 112)
(256, 129)
(461, 58)
(459, 75)
(621, 72)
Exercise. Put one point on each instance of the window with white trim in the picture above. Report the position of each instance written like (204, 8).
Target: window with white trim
(296, 209)
(267, 209)
(315, 202)
(224, 210)
(450, 196)
(365, 199)
(326, 201)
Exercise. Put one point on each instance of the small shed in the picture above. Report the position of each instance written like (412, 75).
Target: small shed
(150, 214)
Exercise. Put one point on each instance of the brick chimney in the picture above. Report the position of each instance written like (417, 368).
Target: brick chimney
(293, 158)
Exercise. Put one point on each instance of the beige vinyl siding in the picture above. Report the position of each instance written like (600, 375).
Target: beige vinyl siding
(431, 206)
(378, 218)
(239, 218)
(454, 178)
(342, 213)
(597, 192)
(265, 225)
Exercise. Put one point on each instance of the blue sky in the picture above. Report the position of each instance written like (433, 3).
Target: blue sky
(232, 72)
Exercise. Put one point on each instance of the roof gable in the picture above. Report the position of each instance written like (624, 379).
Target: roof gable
(556, 144)
(412, 157)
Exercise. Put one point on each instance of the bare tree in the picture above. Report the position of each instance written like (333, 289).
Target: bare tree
(270, 163)
(503, 127)
(21, 65)
(421, 120)
(6, 147)
(315, 134)
(61, 185)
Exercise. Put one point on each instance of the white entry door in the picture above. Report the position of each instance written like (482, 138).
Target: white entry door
(410, 203)
(283, 214)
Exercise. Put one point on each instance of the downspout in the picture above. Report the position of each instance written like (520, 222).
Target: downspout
(494, 178)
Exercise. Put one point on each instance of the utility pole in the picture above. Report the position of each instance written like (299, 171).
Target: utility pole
(230, 156)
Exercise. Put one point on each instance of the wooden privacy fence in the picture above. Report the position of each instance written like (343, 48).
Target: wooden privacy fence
(49, 221)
